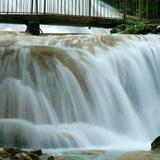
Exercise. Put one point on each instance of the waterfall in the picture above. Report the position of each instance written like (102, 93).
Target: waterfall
(79, 90)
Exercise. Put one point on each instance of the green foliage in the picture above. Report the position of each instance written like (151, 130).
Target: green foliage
(144, 9)
(131, 21)
(136, 28)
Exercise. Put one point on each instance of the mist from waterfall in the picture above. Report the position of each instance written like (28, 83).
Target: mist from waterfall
(79, 91)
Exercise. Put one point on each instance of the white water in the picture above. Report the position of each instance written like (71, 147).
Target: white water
(84, 91)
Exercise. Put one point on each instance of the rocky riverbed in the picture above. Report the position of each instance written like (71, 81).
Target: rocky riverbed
(13, 153)
(140, 155)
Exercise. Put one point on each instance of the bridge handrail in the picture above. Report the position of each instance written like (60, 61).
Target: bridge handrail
(93, 8)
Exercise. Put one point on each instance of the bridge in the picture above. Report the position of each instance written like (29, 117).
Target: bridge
(91, 13)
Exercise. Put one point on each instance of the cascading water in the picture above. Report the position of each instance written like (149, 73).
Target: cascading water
(79, 91)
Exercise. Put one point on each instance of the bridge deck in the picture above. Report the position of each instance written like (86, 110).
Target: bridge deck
(57, 19)
(91, 13)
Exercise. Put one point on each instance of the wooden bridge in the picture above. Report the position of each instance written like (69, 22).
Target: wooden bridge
(91, 13)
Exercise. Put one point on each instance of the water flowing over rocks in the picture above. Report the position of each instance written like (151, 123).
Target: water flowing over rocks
(63, 91)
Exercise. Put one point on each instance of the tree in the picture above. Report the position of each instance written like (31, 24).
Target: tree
(149, 9)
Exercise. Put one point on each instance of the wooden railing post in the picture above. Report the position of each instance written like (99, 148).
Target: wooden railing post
(89, 8)
(7, 6)
(31, 6)
(36, 7)
(44, 7)
(125, 10)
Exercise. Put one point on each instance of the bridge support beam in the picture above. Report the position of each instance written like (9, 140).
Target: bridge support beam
(33, 27)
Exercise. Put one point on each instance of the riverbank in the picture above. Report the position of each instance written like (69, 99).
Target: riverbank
(139, 28)
(140, 155)
(14, 153)
(136, 26)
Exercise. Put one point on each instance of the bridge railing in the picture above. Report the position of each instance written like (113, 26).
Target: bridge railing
(15, 6)
(94, 8)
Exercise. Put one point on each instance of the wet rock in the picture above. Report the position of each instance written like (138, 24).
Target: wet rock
(34, 156)
(17, 156)
(158, 29)
(120, 28)
(139, 28)
(36, 151)
(21, 156)
(11, 150)
(50, 158)
(155, 145)
(33, 27)
(4, 155)
(26, 156)
(15, 153)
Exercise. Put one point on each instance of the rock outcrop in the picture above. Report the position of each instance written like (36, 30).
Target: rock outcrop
(155, 145)
(14, 153)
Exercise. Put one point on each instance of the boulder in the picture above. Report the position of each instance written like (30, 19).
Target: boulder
(33, 27)
(17, 156)
(155, 145)
(4, 155)
(34, 156)
(50, 158)
(36, 151)
(158, 29)
(11, 150)
(26, 156)
(139, 28)
(21, 156)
